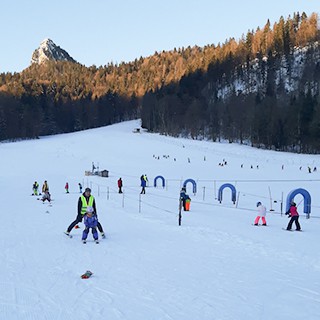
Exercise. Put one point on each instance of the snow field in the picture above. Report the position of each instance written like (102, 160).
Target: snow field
(215, 266)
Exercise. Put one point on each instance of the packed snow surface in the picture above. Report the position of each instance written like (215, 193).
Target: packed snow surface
(216, 265)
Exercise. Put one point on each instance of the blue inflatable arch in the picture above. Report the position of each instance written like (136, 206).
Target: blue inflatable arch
(306, 199)
(194, 185)
(162, 179)
(233, 192)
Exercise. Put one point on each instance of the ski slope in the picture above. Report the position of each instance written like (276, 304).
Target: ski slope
(216, 265)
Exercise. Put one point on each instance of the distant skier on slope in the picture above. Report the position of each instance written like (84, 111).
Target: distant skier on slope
(120, 185)
(143, 184)
(261, 214)
(67, 187)
(184, 197)
(46, 197)
(45, 186)
(35, 188)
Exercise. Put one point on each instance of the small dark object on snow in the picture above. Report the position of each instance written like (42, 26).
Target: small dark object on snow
(86, 275)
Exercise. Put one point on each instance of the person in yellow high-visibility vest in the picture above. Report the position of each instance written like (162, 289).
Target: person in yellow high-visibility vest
(85, 200)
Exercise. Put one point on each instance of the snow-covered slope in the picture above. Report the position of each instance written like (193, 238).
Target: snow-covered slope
(215, 266)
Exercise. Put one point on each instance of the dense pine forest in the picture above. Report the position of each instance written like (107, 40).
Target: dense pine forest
(262, 89)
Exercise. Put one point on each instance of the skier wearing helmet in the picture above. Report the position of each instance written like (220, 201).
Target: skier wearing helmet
(261, 214)
(294, 215)
(91, 222)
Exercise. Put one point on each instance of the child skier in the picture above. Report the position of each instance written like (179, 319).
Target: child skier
(261, 213)
(46, 196)
(90, 221)
(294, 215)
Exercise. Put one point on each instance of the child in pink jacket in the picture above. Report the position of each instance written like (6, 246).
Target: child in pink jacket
(261, 213)
(294, 215)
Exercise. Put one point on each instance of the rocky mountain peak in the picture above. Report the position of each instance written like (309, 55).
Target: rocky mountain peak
(49, 51)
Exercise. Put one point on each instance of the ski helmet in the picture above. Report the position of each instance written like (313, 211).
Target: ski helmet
(89, 209)
(259, 203)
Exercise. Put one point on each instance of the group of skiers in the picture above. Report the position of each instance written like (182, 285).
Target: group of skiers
(87, 211)
(35, 188)
(45, 191)
(292, 213)
(66, 187)
(143, 184)
(45, 188)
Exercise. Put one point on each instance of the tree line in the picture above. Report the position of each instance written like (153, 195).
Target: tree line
(175, 92)
(265, 111)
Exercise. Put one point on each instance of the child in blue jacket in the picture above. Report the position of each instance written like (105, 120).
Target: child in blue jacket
(90, 221)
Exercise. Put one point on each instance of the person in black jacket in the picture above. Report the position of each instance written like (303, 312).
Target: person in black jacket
(184, 197)
(85, 200)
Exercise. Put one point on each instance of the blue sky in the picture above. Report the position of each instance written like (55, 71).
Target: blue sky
(101, 31)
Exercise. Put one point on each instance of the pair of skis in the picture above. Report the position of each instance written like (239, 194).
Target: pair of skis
(291, 230)
(83, 241)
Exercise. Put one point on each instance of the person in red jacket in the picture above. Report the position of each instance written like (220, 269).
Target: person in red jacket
(67, 187)
(293, 213)
(120, 185)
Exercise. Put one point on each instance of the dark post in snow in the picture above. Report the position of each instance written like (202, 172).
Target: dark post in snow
(180, 206)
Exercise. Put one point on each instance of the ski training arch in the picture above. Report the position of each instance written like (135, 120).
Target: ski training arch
(194, 185)
(306, 199)
(161, 178)
(233, 192)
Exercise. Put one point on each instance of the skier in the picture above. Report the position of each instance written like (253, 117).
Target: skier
(120, 185)
(46, 196)
(294, 215)
(85, 200)
(45, 186)
(184, 197)
(35, 188)
(80, 187)
(67, 187)
(91, 222)
(143, 184)
(261, 213)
